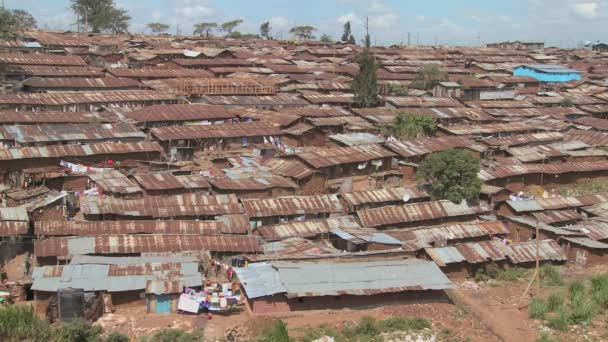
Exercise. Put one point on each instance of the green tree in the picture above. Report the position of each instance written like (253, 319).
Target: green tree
(451, 174)
(157, 28)
(325, 38)
(429, 76)
(347, 36)
(303, 32)
(101, 15)
(229, 26)
(119, 22)
(413, 125)
(8, 25)
(205, 28)
(240, 35)
(265, 30)
(365, 84)
(25, 21)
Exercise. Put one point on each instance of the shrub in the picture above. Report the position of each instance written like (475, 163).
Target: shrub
(78, 330)
(545, 337)
(20, 323)
(599, 289)
(413, 125)
(555, 301)
(581, 310)
(117, 337)
(537, 308)
(277, 333)
(403, 324)
(493, 271)
(576, 290)
(365, 330)
(559, 321)
(175, 335)
(550, 276)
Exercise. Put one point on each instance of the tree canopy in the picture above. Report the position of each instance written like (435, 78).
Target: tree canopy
(413, 125)
(265, 30)
(241, 35)
(14, 22)
(429, 76)
(102, 15)
(303, 32)
(347, 36)
(325, 38)
(205, 28)
(451, 175)
(365, 84)
(229, 26)
(157, 28)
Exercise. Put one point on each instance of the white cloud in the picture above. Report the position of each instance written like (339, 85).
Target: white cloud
(195, 11)
(377, 6)
(587, 10)
(353, 18)
(279, 22)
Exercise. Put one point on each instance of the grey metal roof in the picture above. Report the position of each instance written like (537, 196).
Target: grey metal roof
(367, 235)
(357, 138)
(531, 222)
(360, 278)
(260, 280)
(103, 260)
(587, 242)
(14, 214)
(551, 68)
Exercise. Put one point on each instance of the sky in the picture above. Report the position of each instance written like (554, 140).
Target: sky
(562, 23)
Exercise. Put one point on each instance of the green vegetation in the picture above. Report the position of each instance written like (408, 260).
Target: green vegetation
(78, 331)
(585, 188)
(205, 28)
(174, 335)
(229, 26)
(102, 15)
(265, 30)
(20, 323)
(325, 38)
(413, 125)
(276, 333)
(368, 329)
(545, 337)
(13, 23)
(550, 276)
(566, 102)
(347, 36)
(365, 84)
(393, 88)
(303, 32)
(429, 76)
(157, 28)
(537, 308)
(450, 174)
(494, 272)
(583, 302)
(116, 337)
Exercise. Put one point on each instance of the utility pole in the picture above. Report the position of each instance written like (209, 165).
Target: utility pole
(408, 38)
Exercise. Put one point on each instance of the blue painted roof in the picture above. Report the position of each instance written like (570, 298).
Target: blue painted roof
(550, 68)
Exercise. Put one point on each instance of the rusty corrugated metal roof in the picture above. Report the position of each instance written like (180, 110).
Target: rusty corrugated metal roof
(180, 112)
(92, 228)
(219, 131)
(292, 205)
(382, 195)
(306, 229)
(408, 213)
(321, 158)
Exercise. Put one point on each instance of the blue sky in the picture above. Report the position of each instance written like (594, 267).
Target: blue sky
(464, 22)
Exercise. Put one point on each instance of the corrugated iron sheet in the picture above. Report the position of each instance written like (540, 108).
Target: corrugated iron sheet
(557, 216)
(306, 229)
(395, 215)
(427, 235)
(82, 83)
(41, 59)
(92, 228)
(292, 205)
(103, 97)
(168, 181)
(180, 112)
(130, 244)
(550, 169)
(344, 155)
(237, 130)
(382, 196)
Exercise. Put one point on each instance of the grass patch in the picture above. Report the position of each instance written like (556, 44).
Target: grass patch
(559, 320)
(20, 323)
(495, 272)
(276, 333)
(585, 188)
(555, 301)
(545, 337)
(366, 330)
(538, 308)
(550, 276)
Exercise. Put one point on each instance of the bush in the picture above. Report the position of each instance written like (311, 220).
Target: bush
(366, 330)
(277, 333)
(555, 301)
(599, 289)
(550, 276)
(20, 323)
(545, 337)
(581, 310)
(537, 308)
(493, 271)
(117, 337)
(175, 335)
(576, 290)
(413, 125)
(559, 321)
(78, 330)
(403, 324)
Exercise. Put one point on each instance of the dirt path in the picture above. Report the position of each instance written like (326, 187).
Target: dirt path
(500, 315)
